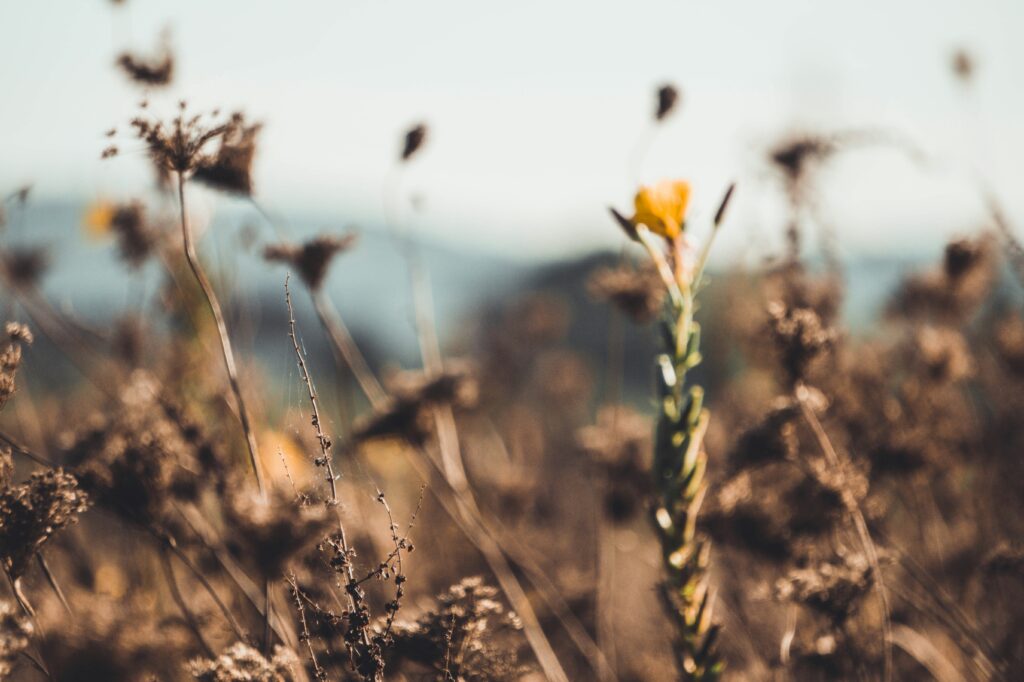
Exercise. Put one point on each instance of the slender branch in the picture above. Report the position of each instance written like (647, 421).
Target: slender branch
(52, 579)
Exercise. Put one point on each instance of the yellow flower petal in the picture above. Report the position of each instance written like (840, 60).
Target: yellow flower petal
(98, 218)
(662, 207)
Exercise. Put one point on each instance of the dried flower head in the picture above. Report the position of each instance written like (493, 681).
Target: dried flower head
(23, 268)
(230, 169)
(143, 453)
(413, 140)
(312, 258)
(962, 64)
(17, 335)
(944, 353)
(242, 663)
(181, 145)
(32, 512)
(620, 445)
(800, 336)
(271, 532)
(833, 587)
(795, 155)
(151, 71)
(637, 292)
(466, 636)
(662, 207)
(409, 414)
(772, 439)
(127, 222)
(15, 633)
(668, 97)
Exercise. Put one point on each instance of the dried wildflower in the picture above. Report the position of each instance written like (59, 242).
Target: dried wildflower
(230, 169)
(242, 663)
(638, 293)
(771, 439)
(464, 637)
(409, 413)
(662, 207)
(795, 155)
(18, 335)
(312, 258)
(668, 96)
(620, 444)
(140, 455)
(962, 64)
(32, 512)
(271, 532)
(414, 139)
(15, 633)
(952, 291)
(181, 145)
(128, 223)
(23, 268)
(833, 587)
(151, 71)
(801, 337)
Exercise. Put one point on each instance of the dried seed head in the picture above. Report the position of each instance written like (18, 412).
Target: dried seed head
(181, 145)
(23, 268)
(638, 293)
(794, 156)
(150, 71)
(17, 335)
(135, 238)
(230, 169)
(668, 97)
(413, 396)
(833, 587)
(312, 258)
(241, 662)
(414, 139)
(963, 65)
(800, 336)
(32, 512)
(620, 444)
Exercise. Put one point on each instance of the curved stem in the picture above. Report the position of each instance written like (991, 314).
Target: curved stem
(222, 331)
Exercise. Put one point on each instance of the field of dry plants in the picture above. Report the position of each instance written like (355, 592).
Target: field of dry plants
(627, 471)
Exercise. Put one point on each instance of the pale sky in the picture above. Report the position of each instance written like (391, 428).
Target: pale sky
(535, 107)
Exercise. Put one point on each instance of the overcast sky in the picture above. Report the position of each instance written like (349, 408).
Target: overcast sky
(535, 108)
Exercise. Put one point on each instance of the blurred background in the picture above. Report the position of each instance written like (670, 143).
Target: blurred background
(539, 117)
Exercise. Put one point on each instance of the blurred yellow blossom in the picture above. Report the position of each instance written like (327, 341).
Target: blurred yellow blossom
(662, 207)
(98, 218)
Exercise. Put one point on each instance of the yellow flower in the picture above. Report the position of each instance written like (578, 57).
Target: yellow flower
(662, 207)
(98, 218)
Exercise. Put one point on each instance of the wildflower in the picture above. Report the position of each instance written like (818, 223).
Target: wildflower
(414, 139)
(662, 207)
(312, 258)
(32, 512)
(230, 169)
(668, 97)
(181, 145)
(801, 337)
(241, 663)
(97, 218)
(10, 358)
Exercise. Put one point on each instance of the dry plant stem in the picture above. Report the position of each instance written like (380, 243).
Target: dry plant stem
(52, 580)
(305, 636)
(225, 341)
(325, 450)
(454, 474)
(347, 350)
(171, 545)
(186, 612)
(25, 452)
(856, 515)
(470, 523)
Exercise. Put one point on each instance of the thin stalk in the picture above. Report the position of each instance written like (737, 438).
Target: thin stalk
(857, 516)
(222, 330)
(186, 612)
(347, 350)
(52, 579)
